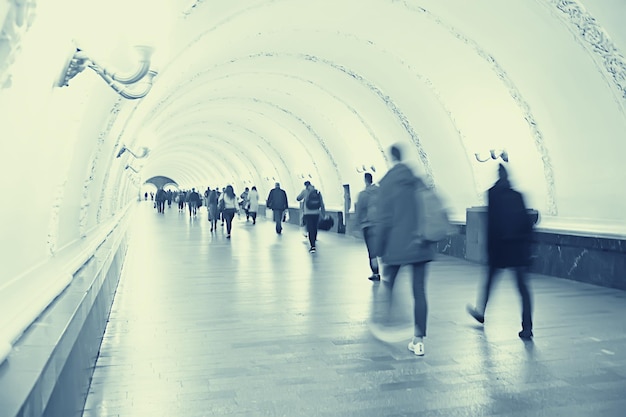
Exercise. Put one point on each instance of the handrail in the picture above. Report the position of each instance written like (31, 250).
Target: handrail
(25, 297)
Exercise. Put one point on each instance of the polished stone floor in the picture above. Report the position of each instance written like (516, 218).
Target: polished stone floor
(256, 326)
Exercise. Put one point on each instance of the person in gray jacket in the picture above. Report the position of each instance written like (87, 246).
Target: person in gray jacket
(365, 210)
(399, 243)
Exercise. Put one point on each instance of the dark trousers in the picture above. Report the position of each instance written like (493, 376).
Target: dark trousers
(524, 292)
(310, 221)
(278, 218)
(368, 236)
(160, 206)
(420, 306)
(229, 215)
(193, 206)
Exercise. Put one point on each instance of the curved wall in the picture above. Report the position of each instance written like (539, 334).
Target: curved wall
(255, 92)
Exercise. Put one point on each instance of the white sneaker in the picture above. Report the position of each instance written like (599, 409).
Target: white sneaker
(417, 348)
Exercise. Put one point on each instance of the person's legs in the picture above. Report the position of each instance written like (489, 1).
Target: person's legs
(486, 291)
(253, 215)
(278, 214)
(311, 227)
(384, 295)
(308, 224)
(522, 286)
(483, 296)
(420, 309)
(214, 215)
(369, 243)
(229, 215)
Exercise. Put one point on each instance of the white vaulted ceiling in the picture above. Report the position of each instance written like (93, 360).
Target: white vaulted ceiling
(250, 92)
(281, 89)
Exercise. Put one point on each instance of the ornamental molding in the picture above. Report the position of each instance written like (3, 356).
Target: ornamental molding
(17, 20)
(595, 39)
(85, 204)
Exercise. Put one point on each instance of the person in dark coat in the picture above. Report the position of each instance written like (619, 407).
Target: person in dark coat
(160, 198)
(277, 202)
(399, 243)
(509, 232)
(365, 210)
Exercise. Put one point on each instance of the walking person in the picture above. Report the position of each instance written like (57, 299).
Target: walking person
(278, 203)
(160, 198)
(313, 206)
(398, 242)
(244, 203)
(192, 201)
(365, 210)
(212, 209)
(181, 200)
(253, 203)
(229, 207)
(509, 232)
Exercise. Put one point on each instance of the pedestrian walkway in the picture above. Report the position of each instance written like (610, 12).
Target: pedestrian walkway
(255, 325)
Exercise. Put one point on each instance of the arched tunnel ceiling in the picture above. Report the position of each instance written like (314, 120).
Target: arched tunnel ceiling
(264, 90)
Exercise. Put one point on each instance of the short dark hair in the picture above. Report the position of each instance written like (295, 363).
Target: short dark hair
(307, 183)
(502, 172)
(396, 153)
(368, 177)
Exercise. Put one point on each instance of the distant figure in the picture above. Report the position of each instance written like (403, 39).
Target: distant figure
(145, 196)
(398, 241)
(229, 204)
(312, 207)
(160, 198)
(192, 201)
(220, 207)
(169, 197)
(253, 203)
(212, 209)
(181, 197)
(365, 210)
(244, 203)
(509, 231)
(278, 203)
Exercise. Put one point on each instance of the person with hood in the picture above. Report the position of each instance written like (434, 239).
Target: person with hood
(399, 242)
(313, 205)
(509, 231)
(365, 210)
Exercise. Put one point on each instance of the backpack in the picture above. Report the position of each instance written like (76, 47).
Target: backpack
(314, 200)
(433, 223)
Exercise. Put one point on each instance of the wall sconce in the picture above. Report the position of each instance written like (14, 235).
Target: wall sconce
(363, 169)
(144, 152)
(131, 168)
(493, 154)
(143, 74)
